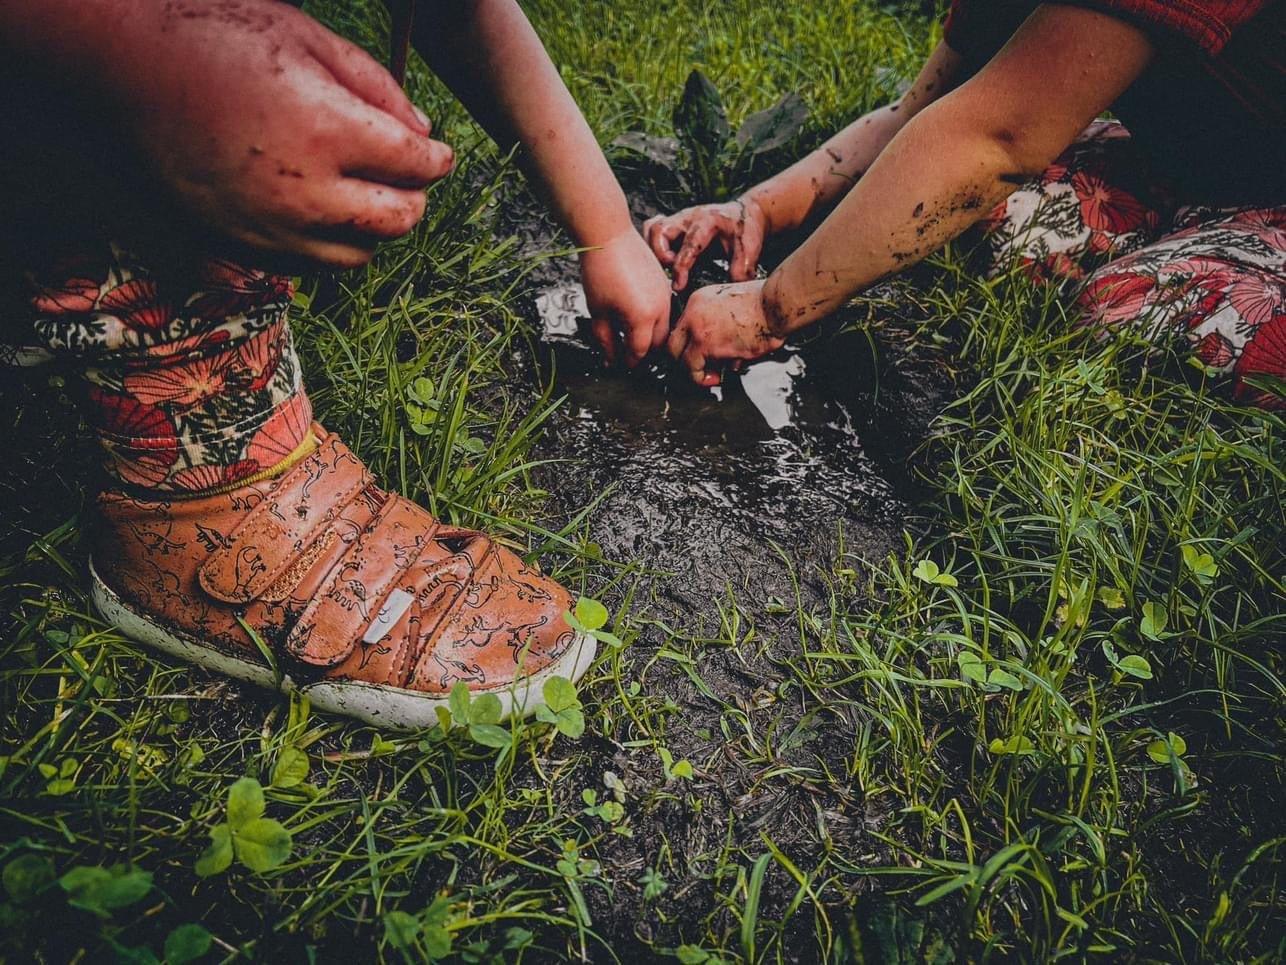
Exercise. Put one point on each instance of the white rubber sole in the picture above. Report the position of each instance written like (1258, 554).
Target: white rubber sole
(383, 706)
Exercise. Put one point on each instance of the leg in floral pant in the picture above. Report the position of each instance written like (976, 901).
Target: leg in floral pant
(191, 379)
(1215, 277)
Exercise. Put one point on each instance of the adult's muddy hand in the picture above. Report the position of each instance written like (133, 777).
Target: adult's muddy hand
(678, 239)
(270, 128)
(627, 296)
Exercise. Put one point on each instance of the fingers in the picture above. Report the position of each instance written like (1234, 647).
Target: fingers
(742, 261)
(375, 210)
(661, 232)
(375, 147)
(361, 74)
(690, 354)
(694, 243)
(605, 336)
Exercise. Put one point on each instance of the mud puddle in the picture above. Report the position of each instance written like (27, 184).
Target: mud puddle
(739, 485)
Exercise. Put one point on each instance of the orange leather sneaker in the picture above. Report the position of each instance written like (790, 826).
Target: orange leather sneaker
(319, 581)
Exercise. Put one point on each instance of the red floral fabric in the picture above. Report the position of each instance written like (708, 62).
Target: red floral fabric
(1215, 277)
(192, 381)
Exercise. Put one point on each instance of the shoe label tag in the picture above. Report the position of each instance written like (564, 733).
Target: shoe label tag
(394, 606)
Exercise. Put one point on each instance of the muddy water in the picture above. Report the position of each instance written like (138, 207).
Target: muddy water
(754, 490)
(721, 487)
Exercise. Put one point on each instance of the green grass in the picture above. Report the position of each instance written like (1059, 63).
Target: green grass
(960, 762)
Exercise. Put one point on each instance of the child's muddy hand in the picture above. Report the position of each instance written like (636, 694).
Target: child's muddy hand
(628, 297)
(739, 226)
(273, 130)
(722, 324)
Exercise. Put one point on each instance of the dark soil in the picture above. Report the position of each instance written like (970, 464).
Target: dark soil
(755, 495)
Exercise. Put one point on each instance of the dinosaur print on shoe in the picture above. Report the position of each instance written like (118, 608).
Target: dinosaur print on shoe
(362, 599)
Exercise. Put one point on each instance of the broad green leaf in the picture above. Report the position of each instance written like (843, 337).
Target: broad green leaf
(590, 613)
(458, 701)
(261, 844)
(971, 666)
(571, 722)
(1111, 597)
(1013, 745)
(26, 876)
(401, 929)
(611, 639)
(1202, 565)
(560, 694)
(444, 718)
(700, 120)
(186, 944)
(291, 768)
(245, 802)
(926, 570)
(692, 955)
(1135, 666)
(1159, 750)
(218, 855)
(490, 735)
(1003, 678)
(437, 942)
(682, 769)
(1154, 621)
(101, 892)
(422, 390)
(485, 709)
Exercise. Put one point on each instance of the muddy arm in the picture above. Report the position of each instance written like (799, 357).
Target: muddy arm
(816, 182)
(487, 52)
(960, 156)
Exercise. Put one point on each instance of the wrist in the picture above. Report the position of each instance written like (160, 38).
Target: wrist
(778, 313)
(759, 203)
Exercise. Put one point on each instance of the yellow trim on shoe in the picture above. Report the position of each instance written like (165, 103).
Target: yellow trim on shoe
(300, 452)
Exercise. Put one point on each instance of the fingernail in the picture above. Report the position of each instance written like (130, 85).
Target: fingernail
(423, 117)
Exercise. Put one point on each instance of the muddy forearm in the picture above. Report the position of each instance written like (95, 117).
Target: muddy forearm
(934, 180)
(490, 56)
(815, 183)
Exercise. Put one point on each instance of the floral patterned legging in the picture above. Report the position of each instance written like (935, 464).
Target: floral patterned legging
(191, 381)
(1213, 276)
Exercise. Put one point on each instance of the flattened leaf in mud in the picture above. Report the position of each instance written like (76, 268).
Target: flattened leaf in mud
(663, 151)
(773, 127)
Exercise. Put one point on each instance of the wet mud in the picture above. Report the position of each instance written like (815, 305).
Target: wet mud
(760, 497)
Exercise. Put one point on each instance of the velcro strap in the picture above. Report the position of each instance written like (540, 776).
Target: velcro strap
(348, 606)
(283, 526)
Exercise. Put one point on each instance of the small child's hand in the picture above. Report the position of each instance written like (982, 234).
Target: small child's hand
(740, 226)
(272, 129)
(721, 324)
(627, 292)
